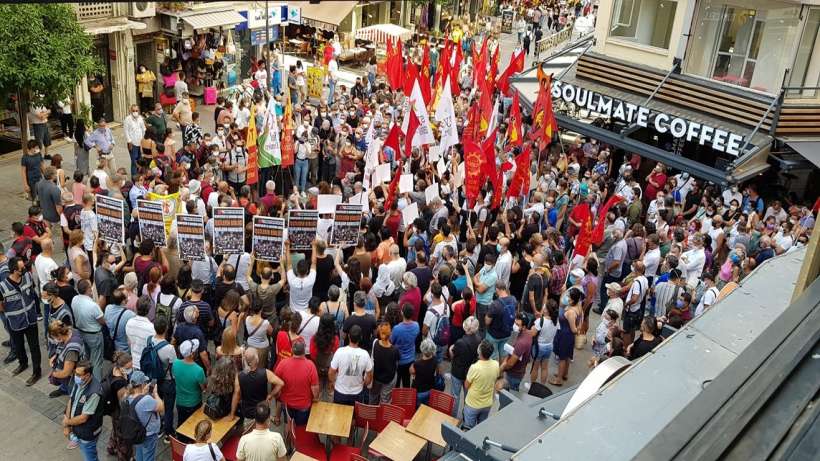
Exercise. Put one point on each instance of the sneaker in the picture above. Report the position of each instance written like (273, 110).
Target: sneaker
(6, 343)
(166, 439)
(39, 317)
(55, 393)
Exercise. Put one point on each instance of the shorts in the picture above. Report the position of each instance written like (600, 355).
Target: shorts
(346, 399)
(498, 346)
(632, 321)
(544, 352)
(41, 133)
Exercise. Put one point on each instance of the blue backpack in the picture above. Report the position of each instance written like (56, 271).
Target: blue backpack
(441, 334)
(509, 304)
(150, 363)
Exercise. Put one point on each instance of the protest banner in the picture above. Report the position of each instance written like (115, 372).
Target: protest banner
(431, 193)
(110, 219)
(268, 238)
(152, 222)
(229, 231)
(302, 228)
(315, 81)
(346, 222)
(326, 203)
(191, 237)
(406, 183)
(171, 205)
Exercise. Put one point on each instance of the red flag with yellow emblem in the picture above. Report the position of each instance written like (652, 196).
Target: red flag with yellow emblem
(514, 127)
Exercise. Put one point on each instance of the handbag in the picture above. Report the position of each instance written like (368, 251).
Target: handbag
(580, 341)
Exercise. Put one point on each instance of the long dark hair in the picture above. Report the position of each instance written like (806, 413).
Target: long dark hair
(325, 333)
(79, 132)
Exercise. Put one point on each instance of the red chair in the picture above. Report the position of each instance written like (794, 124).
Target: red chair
(229, 447)
(366, 416)
(347, 452)
(387, 413)
(306, 442)
(357, 458)
(405, 398)
(177, 449)
(441, 401)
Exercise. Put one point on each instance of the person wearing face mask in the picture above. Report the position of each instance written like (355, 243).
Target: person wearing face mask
(145, 88)
(515, 365)
(31, 167)
(784, 239)
(121, 369)
(158, 122)
(236, 165)
(300, 170)
(68, 350)
(82, 422)
(19, 304)
(134, 127)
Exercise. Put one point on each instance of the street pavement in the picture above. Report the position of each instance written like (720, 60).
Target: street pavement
(30, 426)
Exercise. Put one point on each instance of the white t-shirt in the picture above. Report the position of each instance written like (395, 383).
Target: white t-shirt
(503, 267)
(241, 264)
(103, 177)
(546, 330)
(351, 363)
(261, 76)
(301, 289)
(639, 287)
(709, 297)
(431, 320)
(138, 329)
(309, 327)
(651, 260)
(203, 453)
(242, 117)
(44, 265)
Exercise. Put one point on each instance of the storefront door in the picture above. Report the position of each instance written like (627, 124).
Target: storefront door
(739, 45)
(99, 85)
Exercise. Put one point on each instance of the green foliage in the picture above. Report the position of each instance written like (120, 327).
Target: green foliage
(45, 51)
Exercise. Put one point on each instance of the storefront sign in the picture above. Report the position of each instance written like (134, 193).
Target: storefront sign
(294, 15)
(277, 14)
(716, 138)
(258, 36)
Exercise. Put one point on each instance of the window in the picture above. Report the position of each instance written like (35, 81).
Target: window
(745, 43)
(647, 22)
(806, 69)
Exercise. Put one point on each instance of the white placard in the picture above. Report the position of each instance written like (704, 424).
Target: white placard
(441, 167)
(381, 174)
(431, 192)
(433, 154)
(410, 213)
(326, 203)
(323, 228)
(459, 176)
(406, 183)
(361, 198)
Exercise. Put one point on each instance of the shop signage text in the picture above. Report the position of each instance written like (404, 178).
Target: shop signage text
(277, 14)
(718, 139)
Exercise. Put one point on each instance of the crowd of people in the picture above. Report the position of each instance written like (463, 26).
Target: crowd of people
(466, 297)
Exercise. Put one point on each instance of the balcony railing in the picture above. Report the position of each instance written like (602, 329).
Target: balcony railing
(548, 45)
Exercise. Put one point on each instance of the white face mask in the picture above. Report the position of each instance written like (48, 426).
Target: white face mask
(135, 114)
(516, 328)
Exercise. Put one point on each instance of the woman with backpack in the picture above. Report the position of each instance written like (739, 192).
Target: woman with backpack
(115, 388)
(219, 390)
(201, 449)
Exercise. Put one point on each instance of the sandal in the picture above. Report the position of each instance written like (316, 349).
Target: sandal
(553, 382)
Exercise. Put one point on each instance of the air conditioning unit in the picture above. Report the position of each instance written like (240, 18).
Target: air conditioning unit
(143, 9)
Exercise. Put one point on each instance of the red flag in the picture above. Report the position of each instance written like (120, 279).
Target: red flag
(489, 169)
(520, 182)
(389, 47)
(392, 189)
(485, 107)
(516, 65)
(412, 126)
(493, 67)
(392, 141)
(583, 241)
(543, 120)
(481, 65)
(409, 76)
(514, 133)
(597, 236)
(424, 76)
(472, 169)
(471, 130)
(394, 65)
(454, 69)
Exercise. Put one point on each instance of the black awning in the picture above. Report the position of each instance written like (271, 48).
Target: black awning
(690, 166)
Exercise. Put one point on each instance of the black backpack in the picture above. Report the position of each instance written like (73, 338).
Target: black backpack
(107, 395)
(132, 431)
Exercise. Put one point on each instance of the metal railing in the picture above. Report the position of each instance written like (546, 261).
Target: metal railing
(801, 92)
(547, 45)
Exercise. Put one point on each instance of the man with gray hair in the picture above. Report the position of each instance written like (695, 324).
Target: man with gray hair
(189, 330)
(464, 353)
(251, 385)
(397, 265)
(301, 385)
(613, 263)
(139, 328)
(692, 261)
(365, 321)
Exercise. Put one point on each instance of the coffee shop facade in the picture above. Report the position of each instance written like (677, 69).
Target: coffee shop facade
(728, 90)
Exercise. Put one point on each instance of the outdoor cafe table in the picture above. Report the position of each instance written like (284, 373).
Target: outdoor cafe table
(330, 419)
(300, 457)
(219, 427)
(395, 443)
(426, 423)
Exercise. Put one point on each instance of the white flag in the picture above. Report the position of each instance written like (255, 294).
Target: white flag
(424, 134)
(493, 119)
(446, 117)
(368, 137)
(272, 146)
(371, 160)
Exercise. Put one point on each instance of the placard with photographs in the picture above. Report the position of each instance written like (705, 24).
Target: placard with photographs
(191, 237)
(302, 228)
(152, 222)
(229, 231)
(268, 238)
(346, 222)
(110, 220)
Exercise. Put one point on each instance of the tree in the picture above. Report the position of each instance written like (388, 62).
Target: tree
(45, 52)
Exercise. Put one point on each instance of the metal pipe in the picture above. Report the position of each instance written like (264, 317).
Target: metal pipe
(487, 443)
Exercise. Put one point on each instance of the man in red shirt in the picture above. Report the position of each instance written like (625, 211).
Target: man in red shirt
(301, 385)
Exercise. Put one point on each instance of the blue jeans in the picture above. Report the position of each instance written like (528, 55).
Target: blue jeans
(146, 451)
(135, 154)
(331, 90)
(168, 394)
(456, 387)
(422, 398)
(300, 173)
(513, 382)
(474, 416)
(8, 328)
(89, 449)
(498, 346)
(94, 349)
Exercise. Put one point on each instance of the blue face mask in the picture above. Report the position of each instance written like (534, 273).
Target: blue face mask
(498, 247)
(679, 303)
(78, 381)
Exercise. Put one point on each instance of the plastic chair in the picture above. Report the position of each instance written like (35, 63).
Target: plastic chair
(366, 416)
(387, 413)
(355, 457)
(177, 449)
(306, 442)
(441, 401)
(343, 452)
(229, 447)
(405, 398)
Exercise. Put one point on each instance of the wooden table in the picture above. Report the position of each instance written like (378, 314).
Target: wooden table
(330, 419)
(219, 427)
(300, 457)
(426, 423)
(396, 443)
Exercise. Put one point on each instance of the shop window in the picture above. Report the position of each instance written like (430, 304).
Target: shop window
(805, 74)
(746, 44)
(647, 22)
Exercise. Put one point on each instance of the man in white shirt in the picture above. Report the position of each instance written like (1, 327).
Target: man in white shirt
(396, 266)
(633, 314)
(710, 294)
(139, 328)
(503, 265)
(652, 257)
(692, 261)
(134, 127)
(351, 370)
(301, 281)
(332, 76)
(180, 87)
(731, 193)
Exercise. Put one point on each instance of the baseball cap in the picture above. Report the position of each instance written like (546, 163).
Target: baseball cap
(577, 272)
(613, 286)
(188, 347)
(138, 378)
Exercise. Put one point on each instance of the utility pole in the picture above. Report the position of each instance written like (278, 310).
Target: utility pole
(267, 46)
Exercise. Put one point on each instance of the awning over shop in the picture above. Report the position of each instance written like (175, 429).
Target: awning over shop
(109, 26)
(379, 33)
(808, 149)
(213, 19)
(324, 15)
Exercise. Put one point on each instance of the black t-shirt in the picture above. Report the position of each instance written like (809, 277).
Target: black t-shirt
(465, 353)
(642, 347)
(366, 322)
(324, 267)
(385, 362)
(67, 293)
(105, 281)
(425, 374)
(424, 275)
(222, 288)
(692, 199)
(519, 279)
(535, 285)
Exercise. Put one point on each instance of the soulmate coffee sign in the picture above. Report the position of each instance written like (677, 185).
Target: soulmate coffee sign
(718, 139)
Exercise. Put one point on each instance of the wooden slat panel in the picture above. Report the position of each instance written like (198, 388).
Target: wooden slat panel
(799, 117)
(805, 123)
(794, 130)
(800, 110)
(669, 95)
